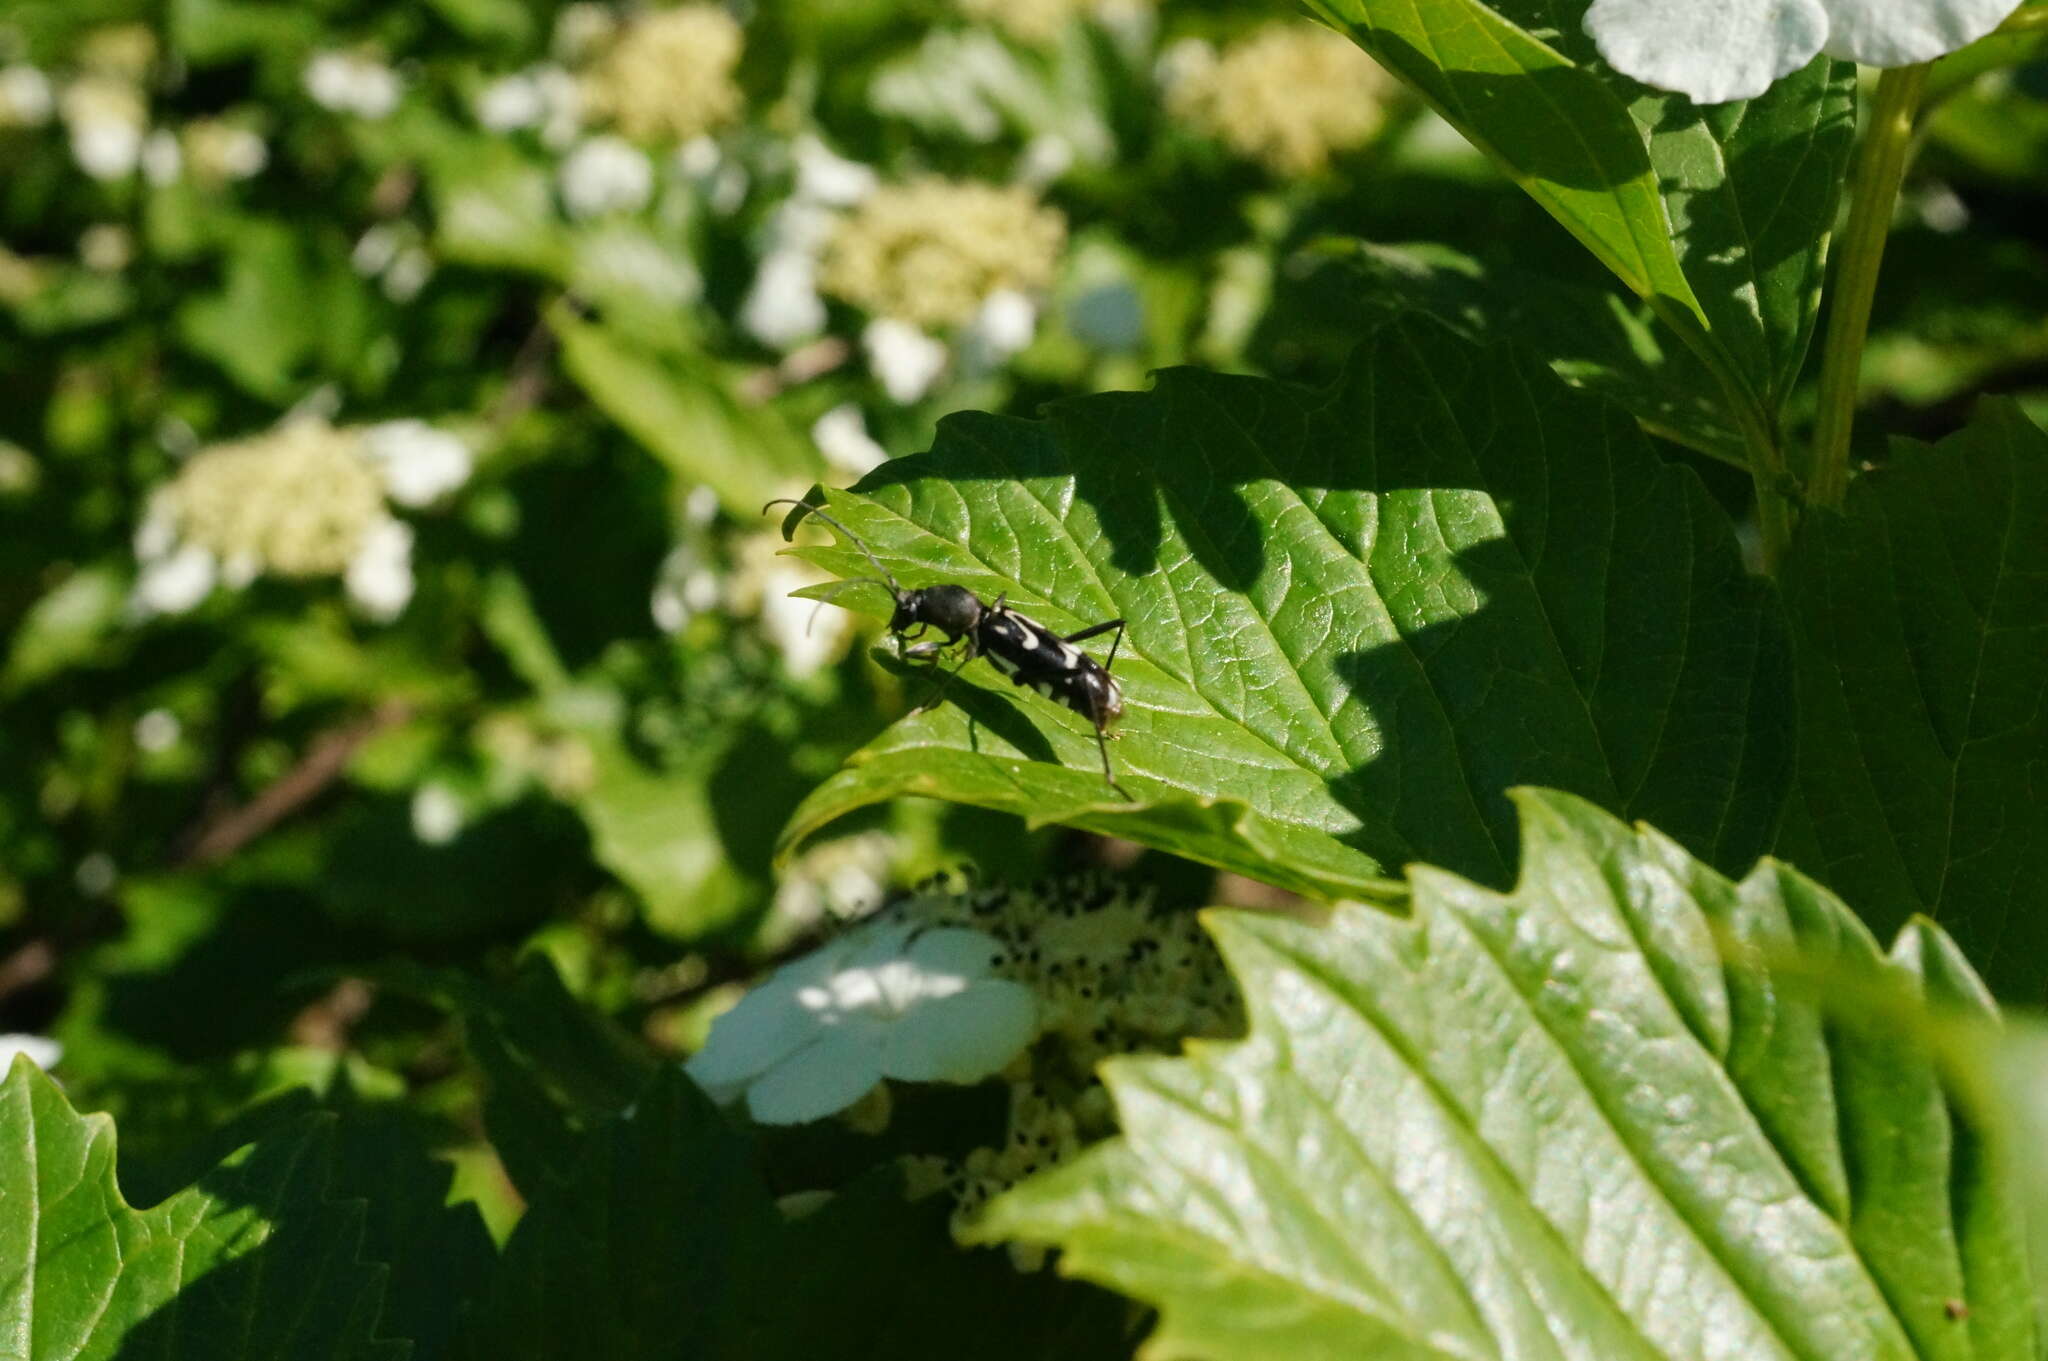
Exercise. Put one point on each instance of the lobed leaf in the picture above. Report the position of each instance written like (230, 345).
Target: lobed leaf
(252, 1262)
(1355, 618)
(1595, 1117)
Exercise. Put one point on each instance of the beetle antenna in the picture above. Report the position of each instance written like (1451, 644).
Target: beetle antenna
(888, 578)
(827, 594)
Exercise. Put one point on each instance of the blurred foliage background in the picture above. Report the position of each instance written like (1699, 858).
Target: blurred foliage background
(391, 391)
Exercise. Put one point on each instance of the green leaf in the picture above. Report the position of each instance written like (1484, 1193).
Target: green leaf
(1596, 340)
(1920, 624)
(657, 829)
(1356, 617)
(555, 1069)
(665, 1243)
(1588, 1118)
(1718, 214)
(65, 627)
(686, 415)
(638, 1254)
(253, 1261)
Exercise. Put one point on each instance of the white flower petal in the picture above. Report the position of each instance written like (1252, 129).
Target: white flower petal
(379, 577)
(1902, 32)
(177, 582)
(606, 175)
(42, 1052)
(763, 1028)
(783, 307)
(1712, 50)
(420, 464)
(958, 951)
(905, 359)
(824, 176)
(841, 435)
(510, 103)
(965, 1037)
(821, 1079)
(1006, 322)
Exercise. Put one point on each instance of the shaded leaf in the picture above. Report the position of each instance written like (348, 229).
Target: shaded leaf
(1355, 618)
(1588, 1118)
(665, 1242)
(1593, 339)
(1920, 619)
(639, 1251)
(253, 1261)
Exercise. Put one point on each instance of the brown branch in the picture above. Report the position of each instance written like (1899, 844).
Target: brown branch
(322, 764)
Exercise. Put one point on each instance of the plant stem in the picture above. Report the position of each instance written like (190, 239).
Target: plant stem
(1880, 166)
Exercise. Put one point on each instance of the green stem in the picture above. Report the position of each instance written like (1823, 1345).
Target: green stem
(1880, 166)
(1764, 453)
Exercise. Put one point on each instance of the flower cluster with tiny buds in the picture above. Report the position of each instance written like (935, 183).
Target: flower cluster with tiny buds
(667, 74)
(931, 252)
(1290, 96)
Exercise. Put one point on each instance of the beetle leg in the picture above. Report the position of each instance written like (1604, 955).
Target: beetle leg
(1095, 630)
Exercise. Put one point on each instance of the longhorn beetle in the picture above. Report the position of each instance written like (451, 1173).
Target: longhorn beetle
(1020, 647)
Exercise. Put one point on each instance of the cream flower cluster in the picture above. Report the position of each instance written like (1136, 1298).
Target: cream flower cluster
(1290, 96)
(931, 252)
(306, 499)
(1039, 23)
(666, 75)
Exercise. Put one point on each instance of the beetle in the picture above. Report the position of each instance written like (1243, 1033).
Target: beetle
(1017, 645)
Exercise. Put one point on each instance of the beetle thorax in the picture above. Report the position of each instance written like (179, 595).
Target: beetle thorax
(953, 610)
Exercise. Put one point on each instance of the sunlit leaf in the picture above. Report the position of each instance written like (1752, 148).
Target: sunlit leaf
(1594, 1117)
(1355, 618)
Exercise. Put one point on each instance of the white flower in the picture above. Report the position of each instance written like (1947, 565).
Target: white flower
(348, 82)
(408, 274)
(581, 29)
(162, 159)
(885, 1000)
(1718, 50)
(419, 463)
(224, 152)
(792, 624)
(42, 1052)
(96, 875)
(905, 359)
(1003, 326)
(25, 97)
(841, 435)
(606, 175)
(106, 248)
(174, 582)
(158, 731)
(683, 589)
(824, 176)
(437, 814)
(1046, 157)
(107, 121)
(783, 307)
(510, 103)
(379, 577)
(563, 94)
